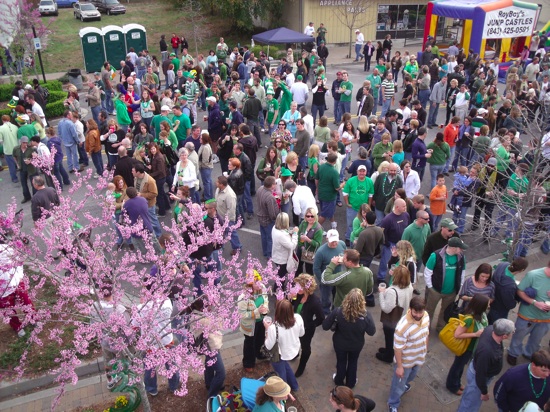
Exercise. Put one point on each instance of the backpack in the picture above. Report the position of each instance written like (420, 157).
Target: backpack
(45, 93)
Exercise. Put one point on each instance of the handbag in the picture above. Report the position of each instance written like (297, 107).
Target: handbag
(292, 262)
(452, 311)
(273, 353)
(334, 326)
(447, 335)
(308, 255)
(391, 319)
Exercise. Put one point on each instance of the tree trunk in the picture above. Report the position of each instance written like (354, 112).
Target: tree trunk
(350, 36)
(144, 398)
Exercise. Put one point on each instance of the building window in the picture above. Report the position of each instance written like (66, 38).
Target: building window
(401, 21)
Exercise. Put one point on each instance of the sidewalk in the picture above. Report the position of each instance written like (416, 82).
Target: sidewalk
(428, 391)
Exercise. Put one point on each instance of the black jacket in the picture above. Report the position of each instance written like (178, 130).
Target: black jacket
(487, 359)
(438, 274)
(505, 289)
(349, 336)
(312, 312)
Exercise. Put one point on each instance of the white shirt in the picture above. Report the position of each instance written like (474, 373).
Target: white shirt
(309, 30)
(406, 112)
(359, 38)
(303, 199)
(289, 339)
(545, 144)
(289, 80)
(411, 184)
(299, 92)
(80, 131)
(37, 110)
(461, 99)
(283, 245)
(11, 272)
(308, 124)
(158, 316)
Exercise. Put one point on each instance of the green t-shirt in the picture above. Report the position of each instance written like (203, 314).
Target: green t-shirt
(176, 63)
(468, 320)
(329, 180)
(346, 86)
(450, 272)
(272, 106)
(537, 280)
(417, 236)
(358, 191)
(185, 125)
(518, 185)
(311, 161)
(157, 120)
(381, 69)
(375, 82)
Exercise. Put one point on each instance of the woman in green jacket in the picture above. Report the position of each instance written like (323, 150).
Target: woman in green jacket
(359, 223)
(310, 237)
(440, 151)
(383, 150)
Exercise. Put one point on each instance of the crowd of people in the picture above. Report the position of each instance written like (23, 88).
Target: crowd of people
(162, 164)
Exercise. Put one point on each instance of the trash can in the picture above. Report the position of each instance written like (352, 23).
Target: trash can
(75, 78)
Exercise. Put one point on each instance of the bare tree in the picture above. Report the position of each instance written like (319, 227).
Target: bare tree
(195, 14)
(349, 13)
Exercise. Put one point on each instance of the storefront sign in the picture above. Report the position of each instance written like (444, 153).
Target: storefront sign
(335, 2)
(509, 22)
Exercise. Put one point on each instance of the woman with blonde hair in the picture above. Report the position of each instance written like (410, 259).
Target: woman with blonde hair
(364, 133)
(403, 254)
(284, 243)
(382, 168)
(398, 295)
(308, 305)
(353, 321)
(310, 237)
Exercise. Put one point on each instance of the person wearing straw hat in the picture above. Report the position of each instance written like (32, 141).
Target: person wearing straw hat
(272, 396)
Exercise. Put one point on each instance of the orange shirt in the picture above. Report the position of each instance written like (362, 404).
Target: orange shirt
(450, 134)
(438, 207)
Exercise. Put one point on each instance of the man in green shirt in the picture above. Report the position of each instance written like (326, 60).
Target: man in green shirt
(182, 125)
(417, 233)
(358, 190)
(375, 82)
(159, 118)
(192, 91)
(328, 186)
(533, 315)
(345, 91)
(353, 276)
(444, 276)
(272, 108)
(515, 192)
(175, 62)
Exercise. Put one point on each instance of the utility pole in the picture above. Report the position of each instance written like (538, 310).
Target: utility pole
(38, 47)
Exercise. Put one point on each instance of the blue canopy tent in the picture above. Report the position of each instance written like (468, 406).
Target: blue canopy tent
(282, 35)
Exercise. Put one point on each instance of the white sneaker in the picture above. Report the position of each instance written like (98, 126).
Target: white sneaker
(333, 225)
(21, 333)
(96, 176)
(216, 159)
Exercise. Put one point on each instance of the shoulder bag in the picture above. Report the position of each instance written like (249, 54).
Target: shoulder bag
(308, 254)
(292, 262)
(273, 353)
(447, 335)
(391, 319)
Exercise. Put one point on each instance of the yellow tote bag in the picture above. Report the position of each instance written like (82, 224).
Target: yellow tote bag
(447, 335)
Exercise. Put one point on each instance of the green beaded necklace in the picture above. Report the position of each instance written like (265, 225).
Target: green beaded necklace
(391, 187)
(537, 395)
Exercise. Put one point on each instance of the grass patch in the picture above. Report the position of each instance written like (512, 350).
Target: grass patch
(64, 50)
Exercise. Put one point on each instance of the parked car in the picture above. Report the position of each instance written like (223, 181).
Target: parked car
(48, 8)
(109, 6)
(66, 3)
(86, 11)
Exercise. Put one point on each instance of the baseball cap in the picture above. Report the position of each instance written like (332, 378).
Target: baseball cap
(183, 97)
(362, 167)
(211, 99)
(24, 139)
(357, 30)
(482, 111)
(177, 91)
(492, 161)
(172, 54)
(448, 223)
(28, 87)
(165, 109)
(285, 172)
(299, 77)
(97, 74)
(338, 73)
(457, 242)
(333, 236)
(133, 74)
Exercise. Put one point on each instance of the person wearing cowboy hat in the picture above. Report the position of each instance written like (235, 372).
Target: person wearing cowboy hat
(272, 395)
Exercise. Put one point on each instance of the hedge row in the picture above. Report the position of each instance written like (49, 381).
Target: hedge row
(55, 106)
(6, 89)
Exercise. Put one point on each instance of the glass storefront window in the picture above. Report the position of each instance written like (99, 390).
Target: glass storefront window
(401, 21)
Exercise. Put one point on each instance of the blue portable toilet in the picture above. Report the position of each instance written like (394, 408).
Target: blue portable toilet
(115, 45)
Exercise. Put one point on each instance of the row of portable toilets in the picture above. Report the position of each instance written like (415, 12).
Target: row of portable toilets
(110, 43)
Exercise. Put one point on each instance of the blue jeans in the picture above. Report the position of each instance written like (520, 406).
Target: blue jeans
(457, 369)
(235, 241)
(459, 219)
(302, 160)
(462, 156)
(535, 330)
(449, 160)
(97, 159)
(12, 166)
(82, 155)
(162, 199)
(386, 105)
(432, 116)
(358, 53)
(398, 385)
(61, 174)
(471, 398)
(109, 106)
(120, 239)
(346, 367)
(343, 107)
(525, 239)
(423, 96)
(206, 176)
(267, 242)
(154, 220)
(150, 380)
(317, 109)
(351, 214)
(385, 256)
(95, 113)
(437, 219)
(434, 171)
(111, 160)
(214, 373)
(72, 156)
(286, 373)
(247, 204)
(506, 217)
(375, 107)
(545, 247)
(379, 216)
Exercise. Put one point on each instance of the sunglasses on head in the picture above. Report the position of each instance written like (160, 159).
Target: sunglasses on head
(334, 396)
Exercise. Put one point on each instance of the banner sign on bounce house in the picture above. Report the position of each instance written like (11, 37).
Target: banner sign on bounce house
(509, 22)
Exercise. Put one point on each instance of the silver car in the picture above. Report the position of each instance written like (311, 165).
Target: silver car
(86, 11)
(48, 8)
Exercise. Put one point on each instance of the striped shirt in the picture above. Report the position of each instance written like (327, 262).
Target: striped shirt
(411, 338)
(389, 88)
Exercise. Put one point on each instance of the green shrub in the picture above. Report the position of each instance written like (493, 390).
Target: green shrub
(273, 50)
(55, 109)
(55, 106)
(6, 89)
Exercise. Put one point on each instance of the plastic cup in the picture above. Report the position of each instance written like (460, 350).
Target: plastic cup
(205, 118)
(267, 320)
(292, 409)
(382, 285)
